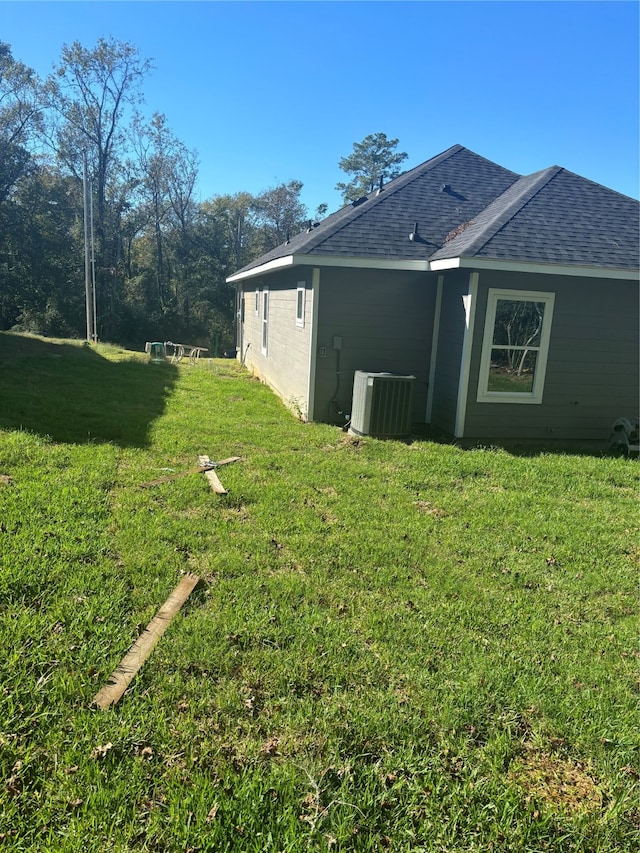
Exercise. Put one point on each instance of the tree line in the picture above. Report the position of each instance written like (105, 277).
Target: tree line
(159, 257)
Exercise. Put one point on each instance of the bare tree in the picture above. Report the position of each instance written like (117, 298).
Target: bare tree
(91, 92)
(92, 96)
(20, 118)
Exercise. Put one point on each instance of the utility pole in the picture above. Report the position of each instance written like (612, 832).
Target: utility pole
(93, 268)
(87, 249)
(239, 241)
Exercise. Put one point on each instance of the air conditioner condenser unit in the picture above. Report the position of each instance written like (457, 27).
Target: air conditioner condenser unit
(381, 404)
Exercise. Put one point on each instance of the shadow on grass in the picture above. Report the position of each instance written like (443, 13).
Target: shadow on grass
(72, 394)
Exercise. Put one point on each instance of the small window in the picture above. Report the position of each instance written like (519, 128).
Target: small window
(265, 320)
(300, 303)
(257, 304)
(515, 346)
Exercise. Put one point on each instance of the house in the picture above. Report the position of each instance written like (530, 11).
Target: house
(512, 300)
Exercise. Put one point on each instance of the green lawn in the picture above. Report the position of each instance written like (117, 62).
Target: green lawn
(398, 646)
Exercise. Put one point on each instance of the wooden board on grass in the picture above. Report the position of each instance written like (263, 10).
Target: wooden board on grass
(201, 469)
(126, 670)
(210, 474)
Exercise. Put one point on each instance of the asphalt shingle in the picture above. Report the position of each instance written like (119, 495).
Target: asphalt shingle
(467, 206)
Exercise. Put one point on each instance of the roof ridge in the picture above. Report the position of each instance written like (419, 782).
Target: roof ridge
(503, 215)
(397, 184)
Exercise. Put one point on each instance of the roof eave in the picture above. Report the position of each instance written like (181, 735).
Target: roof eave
(507, 265)
(270, 266)
(330, 261)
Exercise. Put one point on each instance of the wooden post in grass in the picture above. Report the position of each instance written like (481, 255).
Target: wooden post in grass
(126, 670)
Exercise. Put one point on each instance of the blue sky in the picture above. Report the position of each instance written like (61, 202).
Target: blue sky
(271, 91)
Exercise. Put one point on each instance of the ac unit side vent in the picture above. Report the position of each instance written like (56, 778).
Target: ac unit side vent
(382, 404)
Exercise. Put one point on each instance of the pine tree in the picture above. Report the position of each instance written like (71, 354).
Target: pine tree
(373, 159)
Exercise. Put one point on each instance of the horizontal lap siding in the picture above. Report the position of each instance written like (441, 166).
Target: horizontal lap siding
(385, 320)
(285, 368)
(592, 373)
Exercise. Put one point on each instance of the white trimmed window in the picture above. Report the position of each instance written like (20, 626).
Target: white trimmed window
(515, 346)
(265, 320)
(257, 303)
(301, 293)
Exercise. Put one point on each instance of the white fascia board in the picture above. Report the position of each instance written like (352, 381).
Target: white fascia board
(362, 262)
(531, 267)
(276, 264)
(330, 261)
(446, 264)
(435, 266)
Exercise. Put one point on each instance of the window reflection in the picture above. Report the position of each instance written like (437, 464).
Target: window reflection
(504, 377)
(515, 344)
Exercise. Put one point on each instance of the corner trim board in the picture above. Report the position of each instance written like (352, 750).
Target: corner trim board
(313, 344)
(469, 300)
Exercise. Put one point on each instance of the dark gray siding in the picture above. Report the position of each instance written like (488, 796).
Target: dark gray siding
(385, 320)
(448, 359)
(592, 373)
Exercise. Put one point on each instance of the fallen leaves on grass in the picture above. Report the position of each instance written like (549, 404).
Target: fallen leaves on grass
(14, 782)
(270, 747)
(101, 751)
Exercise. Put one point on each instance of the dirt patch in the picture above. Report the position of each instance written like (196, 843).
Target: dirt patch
(351, 441)
(556, 783)
(425, 506)
(236, 513)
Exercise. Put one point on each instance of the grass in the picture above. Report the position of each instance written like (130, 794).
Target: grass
(397, 647)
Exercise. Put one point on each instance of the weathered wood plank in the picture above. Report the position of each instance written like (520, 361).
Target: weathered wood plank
(126, 670)
(208, 466)
(227, 461)
(211, 475)
(199, 470)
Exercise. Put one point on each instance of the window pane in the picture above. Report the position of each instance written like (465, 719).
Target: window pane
(518, 323)
(512, 371)
(300, 308)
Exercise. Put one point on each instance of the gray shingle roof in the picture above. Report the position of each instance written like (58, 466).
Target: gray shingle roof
(467, 206)
(555, 217)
